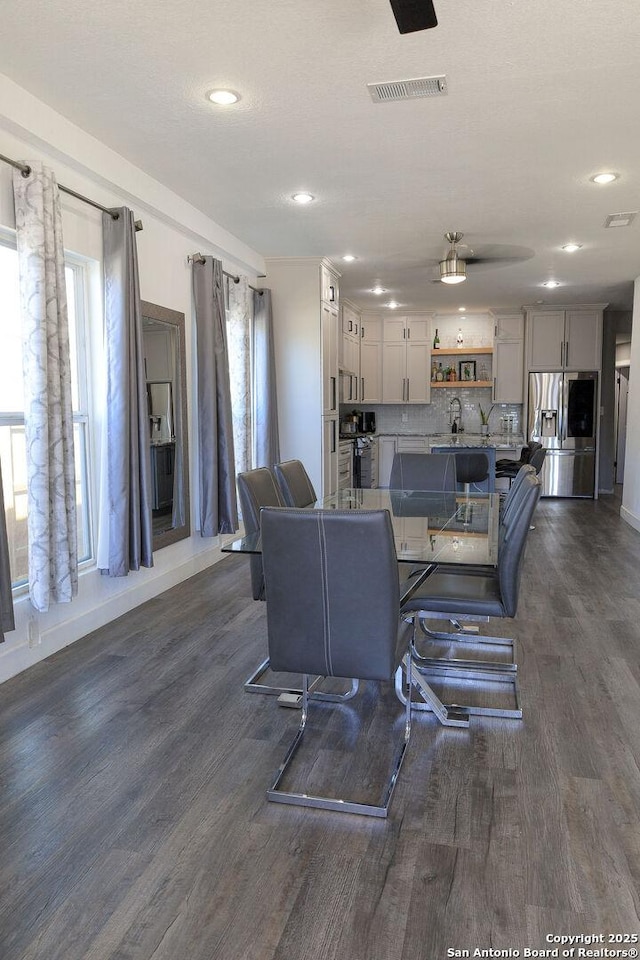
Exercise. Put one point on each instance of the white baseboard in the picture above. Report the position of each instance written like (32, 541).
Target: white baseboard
(630, 518)
(17, 654)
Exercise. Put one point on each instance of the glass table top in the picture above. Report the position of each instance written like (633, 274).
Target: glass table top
(428, 526)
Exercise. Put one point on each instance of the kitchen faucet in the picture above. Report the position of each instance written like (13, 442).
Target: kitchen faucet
(455, 415)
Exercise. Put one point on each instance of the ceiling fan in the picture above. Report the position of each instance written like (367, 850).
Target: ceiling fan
(453, 266)
(414, 15)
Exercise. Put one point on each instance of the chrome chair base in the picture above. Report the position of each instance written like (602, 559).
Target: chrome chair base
(443, 669)
(292, 696)
(277, 795)
(462, 631)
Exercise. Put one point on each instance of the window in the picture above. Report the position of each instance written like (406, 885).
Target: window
(12, 446)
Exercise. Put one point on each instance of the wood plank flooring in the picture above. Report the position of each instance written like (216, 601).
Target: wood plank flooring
(133, 769)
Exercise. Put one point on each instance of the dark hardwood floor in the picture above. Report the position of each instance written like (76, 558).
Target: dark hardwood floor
(133, 771)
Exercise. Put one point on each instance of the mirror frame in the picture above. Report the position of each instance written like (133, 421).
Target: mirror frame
(176, 319)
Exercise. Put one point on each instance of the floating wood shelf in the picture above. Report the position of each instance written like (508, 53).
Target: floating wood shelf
(460, 351)
(461, 383)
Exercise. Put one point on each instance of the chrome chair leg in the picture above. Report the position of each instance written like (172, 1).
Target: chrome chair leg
(277, 795)
(292, 696)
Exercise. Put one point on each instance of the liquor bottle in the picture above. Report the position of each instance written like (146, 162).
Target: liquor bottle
(460, 338)
(436, 341)
(440, 374)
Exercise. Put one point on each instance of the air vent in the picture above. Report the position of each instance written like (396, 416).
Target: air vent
(408, 89)
(620, 219)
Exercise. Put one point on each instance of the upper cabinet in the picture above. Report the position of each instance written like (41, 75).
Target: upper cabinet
(371, 360)
(350, 344)
(564, 338)
(406, 360)
(508, 358)
(329, 290)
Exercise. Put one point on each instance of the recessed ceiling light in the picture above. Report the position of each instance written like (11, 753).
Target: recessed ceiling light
(393, 305)
(605, 177)
(348, 258)
(378, 291)
(461, 309)
(303, 198)
(571, 247)
(224, 98)
(551, 284)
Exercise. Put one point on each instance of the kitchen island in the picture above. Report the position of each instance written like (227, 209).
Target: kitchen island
(507, 446)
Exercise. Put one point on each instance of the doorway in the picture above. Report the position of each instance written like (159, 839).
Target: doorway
(622, 390)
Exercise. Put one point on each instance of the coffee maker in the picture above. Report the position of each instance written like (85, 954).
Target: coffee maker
(366, 422)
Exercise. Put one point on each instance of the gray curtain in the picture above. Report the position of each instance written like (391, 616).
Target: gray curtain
(127, 534)
(218, 504)
(7, 622)
(266, 439)
(48, 406)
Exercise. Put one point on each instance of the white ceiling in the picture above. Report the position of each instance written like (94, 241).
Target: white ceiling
(542, 95)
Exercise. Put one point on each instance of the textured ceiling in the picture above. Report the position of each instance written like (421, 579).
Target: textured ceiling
(542, 95)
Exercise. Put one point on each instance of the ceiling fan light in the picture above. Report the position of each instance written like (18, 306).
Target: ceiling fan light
(453, 270)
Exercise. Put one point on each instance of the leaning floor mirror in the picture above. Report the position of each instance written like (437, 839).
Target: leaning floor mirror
(163, 334)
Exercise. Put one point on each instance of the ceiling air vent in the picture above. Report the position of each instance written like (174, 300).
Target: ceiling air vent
(408, 89)
(620, 219)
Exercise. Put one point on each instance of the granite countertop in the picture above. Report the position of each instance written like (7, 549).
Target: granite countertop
(466, 439)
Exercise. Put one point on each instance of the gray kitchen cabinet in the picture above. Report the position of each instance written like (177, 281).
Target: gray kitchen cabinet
(371, 360)
(406, 359)
(564, 338)
(508, 358)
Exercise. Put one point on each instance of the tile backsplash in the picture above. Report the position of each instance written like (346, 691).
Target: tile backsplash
(434, 417)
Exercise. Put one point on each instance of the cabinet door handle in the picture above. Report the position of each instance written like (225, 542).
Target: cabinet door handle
(408, 389)
(566, 353)
(350, 325)
(408, 333)
(562, 353)
(333, 393)
(361, 331)
(333, 436)
(494, 389)
(362, 388)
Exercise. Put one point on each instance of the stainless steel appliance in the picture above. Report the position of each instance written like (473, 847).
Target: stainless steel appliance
(367, 421)
(362, 463)
(563, 418)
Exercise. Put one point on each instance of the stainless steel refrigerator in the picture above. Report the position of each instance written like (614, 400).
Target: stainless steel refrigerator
(563, 418)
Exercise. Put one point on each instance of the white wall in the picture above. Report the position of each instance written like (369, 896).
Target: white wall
(630, 510)
(173, 229)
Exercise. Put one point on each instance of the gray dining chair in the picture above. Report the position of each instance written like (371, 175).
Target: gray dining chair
(258, 489)
(475, 595)
(508, 469)
(472, 469)
(295, 484)
(423, 471)
(328, 615)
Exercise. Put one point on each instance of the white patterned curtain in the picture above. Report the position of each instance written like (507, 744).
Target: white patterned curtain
(239, 345)
(48, 412)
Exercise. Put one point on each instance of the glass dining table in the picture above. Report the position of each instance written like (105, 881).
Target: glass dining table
(432, 529)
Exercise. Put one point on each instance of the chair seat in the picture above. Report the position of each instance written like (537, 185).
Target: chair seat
(460, 595)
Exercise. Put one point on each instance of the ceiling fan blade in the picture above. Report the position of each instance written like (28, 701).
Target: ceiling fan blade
(414, 15)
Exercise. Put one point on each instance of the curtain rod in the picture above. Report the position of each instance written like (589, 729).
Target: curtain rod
(199, 258)
(25, 170)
